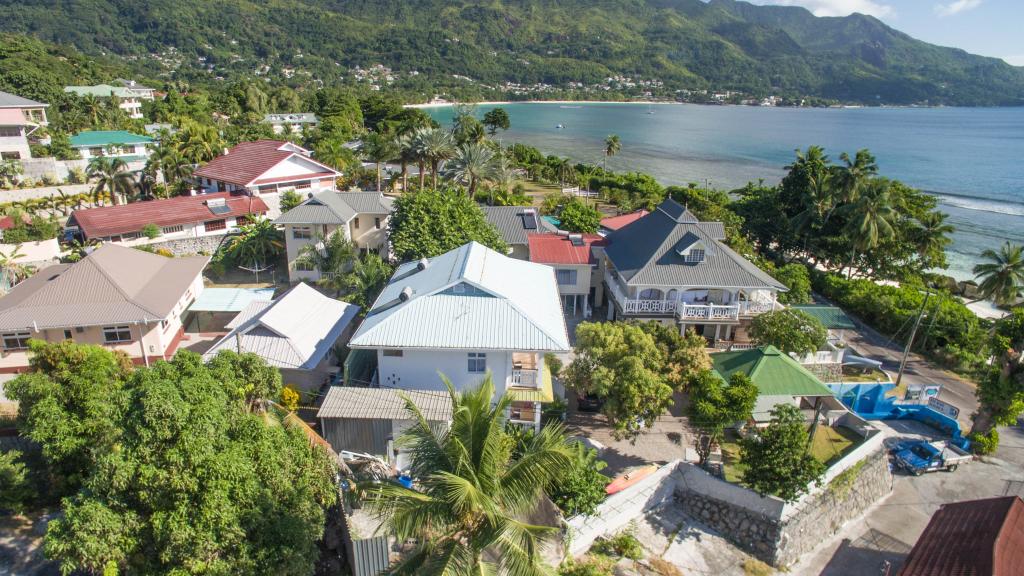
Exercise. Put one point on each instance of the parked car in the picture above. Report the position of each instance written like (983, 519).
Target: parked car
(919, 456)
(589, 403)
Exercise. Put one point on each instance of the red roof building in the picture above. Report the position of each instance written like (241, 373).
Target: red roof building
(265, 166)
(613, 223)
(974, 538)
(7, 222)
(179, 217)
(573, 249)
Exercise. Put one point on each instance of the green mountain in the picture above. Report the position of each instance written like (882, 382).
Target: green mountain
(686, 44)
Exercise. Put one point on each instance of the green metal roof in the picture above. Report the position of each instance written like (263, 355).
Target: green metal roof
(773, 372)
(100, 91)
(229, 299)
(107, 138)
(832, 317)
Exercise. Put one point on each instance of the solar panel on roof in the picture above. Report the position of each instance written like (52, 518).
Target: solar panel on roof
(530, 220)
(221, 209)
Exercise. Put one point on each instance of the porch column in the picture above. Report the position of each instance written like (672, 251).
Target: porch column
(611, 310)
(536, 416)
(717, 329)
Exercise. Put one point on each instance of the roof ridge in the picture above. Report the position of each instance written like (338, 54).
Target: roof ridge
(117, 286)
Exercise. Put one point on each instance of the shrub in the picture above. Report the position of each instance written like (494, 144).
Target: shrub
(151, 231)
(554, 363)
(664, 567)
(753, 567)
(164, 252)
(591, 565)
(798, 280)
(15, 488)
(290, 398)
(49, 180)
(76, 176)
(577, 216)
(624, 544)
(985, 443)
(290, 199)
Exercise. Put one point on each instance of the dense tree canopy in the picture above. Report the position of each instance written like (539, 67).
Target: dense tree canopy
(777, 458)
(431, 222)
(715, 405)
(789, 330)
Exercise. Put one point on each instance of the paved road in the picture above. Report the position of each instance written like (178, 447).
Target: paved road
(866, 342)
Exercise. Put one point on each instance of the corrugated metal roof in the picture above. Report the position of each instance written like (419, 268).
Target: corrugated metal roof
(295, 331)
(229, 299)
(384, 404)
(644, 253)
(295, 117)
(8, 100)
(560, 249)
(773, 372)
(469, 298)
(247, 161)
(331, 207)
(511, 225)
(106, 138)
(973, 538)
(114, 284)
(622, 220)
(832, 317)
(132, 217)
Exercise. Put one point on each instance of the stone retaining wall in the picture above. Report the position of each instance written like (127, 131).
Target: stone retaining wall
(189, 246)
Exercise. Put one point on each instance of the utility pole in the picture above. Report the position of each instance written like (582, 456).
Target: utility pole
(910, 340)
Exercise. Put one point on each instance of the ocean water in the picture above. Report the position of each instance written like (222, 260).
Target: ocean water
(970, 158)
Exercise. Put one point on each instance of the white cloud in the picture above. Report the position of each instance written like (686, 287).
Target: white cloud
(956, 7)
(839, 7)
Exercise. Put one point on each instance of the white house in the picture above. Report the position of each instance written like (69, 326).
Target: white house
(669, 267)
(465, 314)
(130, 95)
(361, 216)
(19, 119)
(291, 123)
(297, 333)
(118, 143)
(265, 167)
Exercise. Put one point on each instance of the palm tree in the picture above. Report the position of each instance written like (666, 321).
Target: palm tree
(369, 275)
(612, 145)
(871, 217)
(333, 154)
(257, 243)
(170, 162)
(812, 167)
(464, 513)
(472, 163)
(854, 174)
(931, 236)
(93, 109)
(436, 146)
(332, 257)
(379, 149)
(14, 271)
(404, 144)
(199, 142)
(503, 176)
(112, 178)
(418, 151)
(1002, 277)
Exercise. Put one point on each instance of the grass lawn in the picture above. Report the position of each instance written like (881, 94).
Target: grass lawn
(830, 444)
(732, 467)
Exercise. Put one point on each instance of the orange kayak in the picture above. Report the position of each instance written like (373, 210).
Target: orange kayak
(623, 481)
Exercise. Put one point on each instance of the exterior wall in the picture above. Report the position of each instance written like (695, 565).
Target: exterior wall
(367, 235)
(294, 246)
(189, 230)
(10, 145)
(122, 150)
(418, 369)
(582, 285)
(519, 251)
(156, 339)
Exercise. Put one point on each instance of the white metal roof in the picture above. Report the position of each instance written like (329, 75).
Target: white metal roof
(295, 331)
(384, 403)
(469, 298)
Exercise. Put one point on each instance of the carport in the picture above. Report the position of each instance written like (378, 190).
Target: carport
(215, 307)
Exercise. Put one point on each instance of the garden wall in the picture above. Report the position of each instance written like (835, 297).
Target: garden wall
(42, 251)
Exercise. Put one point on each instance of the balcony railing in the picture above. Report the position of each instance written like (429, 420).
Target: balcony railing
(708, 311)
(525, 378)
(636, 306)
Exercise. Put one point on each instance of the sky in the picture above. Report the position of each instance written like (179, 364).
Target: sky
(986, 27)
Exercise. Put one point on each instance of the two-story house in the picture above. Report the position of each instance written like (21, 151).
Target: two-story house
(265, 167)
(129, 95)
(669, 267)
(19, 118)
(573, 258)
(118, 143)
(117, 297)
(467, 313)
(361, 216)
(177, 218)
(515, 224)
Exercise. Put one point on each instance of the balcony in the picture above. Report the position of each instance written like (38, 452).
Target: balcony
(523, 378)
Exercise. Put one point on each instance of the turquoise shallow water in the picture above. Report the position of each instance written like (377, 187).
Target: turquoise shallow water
(970, 158)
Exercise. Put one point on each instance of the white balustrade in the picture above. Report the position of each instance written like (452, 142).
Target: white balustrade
(524, 378)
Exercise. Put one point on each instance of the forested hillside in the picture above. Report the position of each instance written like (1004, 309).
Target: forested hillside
(472, 47)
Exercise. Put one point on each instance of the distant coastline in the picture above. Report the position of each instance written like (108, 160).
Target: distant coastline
(508, 102)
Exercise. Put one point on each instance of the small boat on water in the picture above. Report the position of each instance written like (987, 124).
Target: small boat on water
(634, 475)
(559, 126)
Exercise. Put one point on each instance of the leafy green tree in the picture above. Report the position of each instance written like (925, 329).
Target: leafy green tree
(777, 459)
(1002, 274)
(577, 216)
(621, 364)
(798, 281)
(246, 377)
(370, 274)
(256, 243)
(112, 178)
(69, 403)
(464, 513)
(431, 222)
(497, 119)
(715, 405)
(196, 483)
(1001, 390)
(332, 256)
(581, 489)
(472, 164)
(15, 487)
(290, 199)
(789, 330)
(685, 355)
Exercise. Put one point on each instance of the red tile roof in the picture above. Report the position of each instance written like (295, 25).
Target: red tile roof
(248, 161)
(128, 218)
(975, 538)
(559, 249)
(7, 222)
(616, 222)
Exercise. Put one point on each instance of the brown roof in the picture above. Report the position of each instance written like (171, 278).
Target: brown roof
(129, 218)
(112, 285)
(560, 249)
(975, 538)
(246, 162)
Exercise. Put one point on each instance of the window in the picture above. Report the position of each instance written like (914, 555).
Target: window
(695, 255)
(303, 265)
(302, 232)
(650, 294)
(173, 229)
(566, 277)
(477, 362)
(67, 335)
(356, 223)
(115, 334)
(96, 151)
(10, 155)
(303, 185)
(10, 131)
(241, 221)
(16, 341)
(393, 353)
(376, 223)
(268, 189)
(214, 225)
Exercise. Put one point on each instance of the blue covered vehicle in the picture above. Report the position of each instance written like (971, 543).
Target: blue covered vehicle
(919, 456)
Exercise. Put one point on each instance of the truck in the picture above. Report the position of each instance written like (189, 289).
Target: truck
(920, 456)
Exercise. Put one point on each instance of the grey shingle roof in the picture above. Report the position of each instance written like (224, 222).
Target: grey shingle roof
(384, 404)
(113, 284)
(330, 207)
(646, 252)
(509, 222)
(8, 100)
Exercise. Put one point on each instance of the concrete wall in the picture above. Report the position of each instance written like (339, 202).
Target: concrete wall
(418, 369)
(43, 192)
(33, 252)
